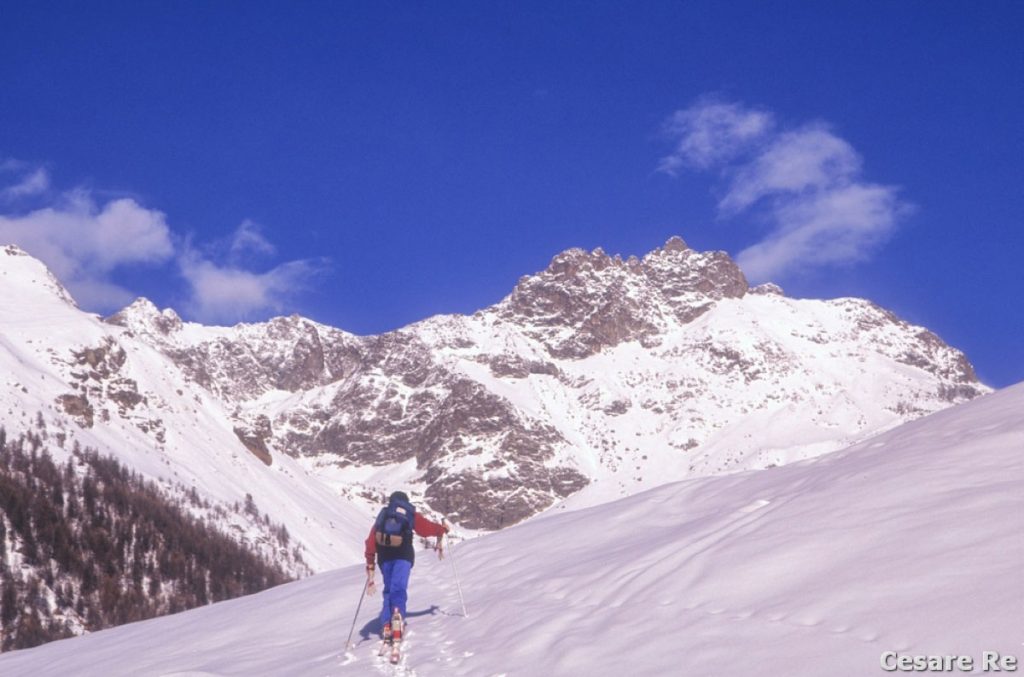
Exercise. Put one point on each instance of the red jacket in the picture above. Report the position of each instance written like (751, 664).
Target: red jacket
(422, 526)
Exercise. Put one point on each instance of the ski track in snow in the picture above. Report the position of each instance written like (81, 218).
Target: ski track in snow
(908, 542)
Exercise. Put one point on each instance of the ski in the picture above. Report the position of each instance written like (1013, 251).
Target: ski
(397, 632)
(386, 638)
(392, 649)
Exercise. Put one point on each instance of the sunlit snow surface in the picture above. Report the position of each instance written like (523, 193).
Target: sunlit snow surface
(909, 542)
(40, 328)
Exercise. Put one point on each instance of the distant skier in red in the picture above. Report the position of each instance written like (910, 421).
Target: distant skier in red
(391, 541)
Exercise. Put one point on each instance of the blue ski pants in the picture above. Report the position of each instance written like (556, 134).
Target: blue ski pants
(396, 584)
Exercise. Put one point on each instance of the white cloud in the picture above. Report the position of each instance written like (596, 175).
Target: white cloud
(229, 294)
(836, 226)
(82, 242)
(810, 159)
(247, 239)
(85, 243)
(35, 182)
(807, 183)
(711, 132)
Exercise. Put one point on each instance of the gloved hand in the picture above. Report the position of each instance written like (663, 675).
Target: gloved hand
(371, 586)
(440, 539)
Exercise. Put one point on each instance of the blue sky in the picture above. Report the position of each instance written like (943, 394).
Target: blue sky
(371, 164)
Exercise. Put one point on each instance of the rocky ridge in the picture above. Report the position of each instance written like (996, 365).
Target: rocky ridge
(597, 370)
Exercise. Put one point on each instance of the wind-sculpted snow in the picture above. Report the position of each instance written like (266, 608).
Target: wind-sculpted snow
(906, 543)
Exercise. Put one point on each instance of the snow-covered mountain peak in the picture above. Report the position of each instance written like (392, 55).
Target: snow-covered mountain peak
(675, 243)
(246, 361)
(675, 270)
(25, 280)
(584, 301)
(143, 317)
(767, 288)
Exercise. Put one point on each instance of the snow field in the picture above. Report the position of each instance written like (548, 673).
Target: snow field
(907, 542)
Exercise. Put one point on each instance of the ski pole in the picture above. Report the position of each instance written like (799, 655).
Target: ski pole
(458, 585)
(348, 642)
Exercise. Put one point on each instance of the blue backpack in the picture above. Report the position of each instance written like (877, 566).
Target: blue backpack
(394, 524)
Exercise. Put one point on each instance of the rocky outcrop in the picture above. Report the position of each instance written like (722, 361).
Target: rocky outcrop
(515, 366)
(766, 289)
(99, 362)
(77, 407)
(285, 353)
(254, 437)
(103, 390)
(585, 302)
(144, 317)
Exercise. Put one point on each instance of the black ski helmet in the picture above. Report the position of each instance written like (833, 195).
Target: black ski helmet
(398, 496)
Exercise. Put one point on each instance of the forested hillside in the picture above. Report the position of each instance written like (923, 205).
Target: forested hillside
(87, 544)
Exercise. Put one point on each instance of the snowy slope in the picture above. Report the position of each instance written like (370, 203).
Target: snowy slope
(95, 384)
(910, 542)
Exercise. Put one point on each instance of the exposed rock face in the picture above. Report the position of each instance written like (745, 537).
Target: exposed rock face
(255, 436)
(585, 302)
(79, 408)
(145, 315)
(286, 353)
(514, 366)
(628, 372)
(502, 477)
(102, 361)
(767, 288)
(96, 374)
